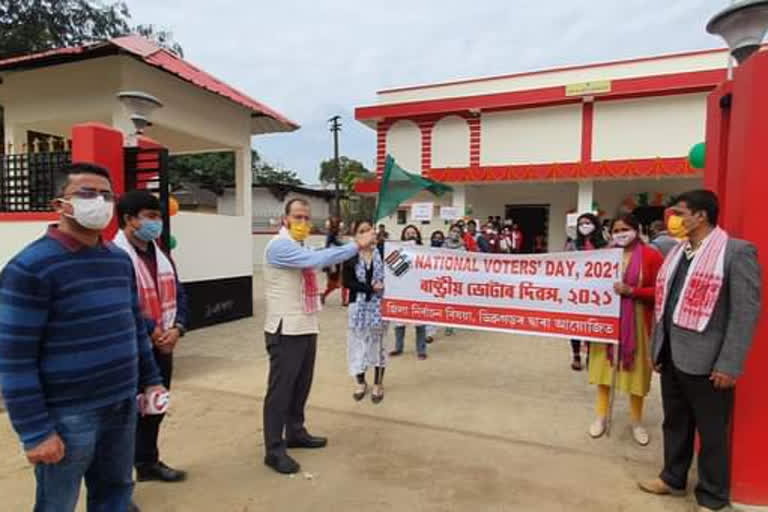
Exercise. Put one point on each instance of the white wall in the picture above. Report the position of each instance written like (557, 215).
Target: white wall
(17, 235)
(267, 206)
(531, 136)
(553, 78)
(450, 143)
(666, 126)
(610, 194)
(212, 246)
(404, 144)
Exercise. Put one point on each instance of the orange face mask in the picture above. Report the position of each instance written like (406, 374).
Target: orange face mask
(675, 226)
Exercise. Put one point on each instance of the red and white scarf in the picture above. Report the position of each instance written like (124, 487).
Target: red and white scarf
(702, 284)
(310, 292)
(159, 305)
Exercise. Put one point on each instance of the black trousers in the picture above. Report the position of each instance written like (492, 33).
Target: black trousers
(148, 427)
(691, 403)
(291, 368)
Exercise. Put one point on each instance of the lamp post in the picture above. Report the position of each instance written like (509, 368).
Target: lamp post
(743, 25)
(735, 170)
(139, 106)
(335, 129)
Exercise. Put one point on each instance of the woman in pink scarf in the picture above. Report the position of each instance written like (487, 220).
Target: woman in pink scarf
(640, 267)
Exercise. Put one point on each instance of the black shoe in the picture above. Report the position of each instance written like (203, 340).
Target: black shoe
(282, 463)
(306, 441)
(159, 472)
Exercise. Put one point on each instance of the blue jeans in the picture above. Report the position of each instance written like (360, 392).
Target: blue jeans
(99, 446)
(421, 338)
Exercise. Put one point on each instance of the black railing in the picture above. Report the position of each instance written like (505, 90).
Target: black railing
(147, 169)
(29, 181)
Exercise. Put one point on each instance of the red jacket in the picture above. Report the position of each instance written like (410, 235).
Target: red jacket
(469, 242)
(646, 291)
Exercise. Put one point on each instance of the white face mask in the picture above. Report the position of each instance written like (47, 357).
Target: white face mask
(586, 229)
(93, 214)
(625, 238)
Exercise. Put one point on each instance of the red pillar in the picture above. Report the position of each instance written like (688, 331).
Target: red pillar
(737, 156)
(426, 145)
(101, 144)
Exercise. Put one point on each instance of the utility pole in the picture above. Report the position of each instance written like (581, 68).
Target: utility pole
(335, 129)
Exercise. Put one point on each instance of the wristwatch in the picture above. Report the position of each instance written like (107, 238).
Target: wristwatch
(182, 330)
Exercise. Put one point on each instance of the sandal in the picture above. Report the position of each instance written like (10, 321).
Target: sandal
(360, 394)
(377, 397)
(640, 435)
(597, 429)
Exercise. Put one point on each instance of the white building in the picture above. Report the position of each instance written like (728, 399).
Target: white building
(535, 146)
(46, 94)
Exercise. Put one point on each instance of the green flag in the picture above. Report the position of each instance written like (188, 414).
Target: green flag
(398, 185)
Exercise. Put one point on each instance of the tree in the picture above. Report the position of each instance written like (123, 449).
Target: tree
(29, 26)
(212, 171)
(162, 37)
(266, 174)
(351, 171)
(216, 171)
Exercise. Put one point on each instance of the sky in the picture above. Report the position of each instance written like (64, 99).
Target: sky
(311, 59)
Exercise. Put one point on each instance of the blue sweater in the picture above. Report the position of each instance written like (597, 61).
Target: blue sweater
(71, 334)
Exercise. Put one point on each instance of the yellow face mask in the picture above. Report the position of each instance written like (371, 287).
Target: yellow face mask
(300, 230)
(675, 226)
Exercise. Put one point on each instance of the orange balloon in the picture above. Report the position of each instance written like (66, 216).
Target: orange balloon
(173, 206)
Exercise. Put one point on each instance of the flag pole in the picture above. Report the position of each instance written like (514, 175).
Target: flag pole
(615, 378)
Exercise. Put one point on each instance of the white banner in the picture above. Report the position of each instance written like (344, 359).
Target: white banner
(567, 295)
(422, 211)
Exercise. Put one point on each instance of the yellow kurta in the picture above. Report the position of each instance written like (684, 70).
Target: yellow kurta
(638, 380)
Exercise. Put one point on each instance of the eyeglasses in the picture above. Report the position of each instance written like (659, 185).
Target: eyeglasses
(92, 193)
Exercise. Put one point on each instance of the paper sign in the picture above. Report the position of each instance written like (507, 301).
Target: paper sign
(449, 212)
(422, 211)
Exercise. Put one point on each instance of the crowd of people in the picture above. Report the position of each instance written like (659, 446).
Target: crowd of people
(87, 325)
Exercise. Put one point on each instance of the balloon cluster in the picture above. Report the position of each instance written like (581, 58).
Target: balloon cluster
(173, 209)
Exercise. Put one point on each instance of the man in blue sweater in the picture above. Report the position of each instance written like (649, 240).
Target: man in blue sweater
(74, 350)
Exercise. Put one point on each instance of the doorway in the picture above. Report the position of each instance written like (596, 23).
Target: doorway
(533, 220)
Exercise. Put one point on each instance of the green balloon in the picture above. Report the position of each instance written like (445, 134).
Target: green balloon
(698, 155)
(173, 242)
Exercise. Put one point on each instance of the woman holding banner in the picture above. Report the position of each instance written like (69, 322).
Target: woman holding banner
(364, 276)
(589, 237)
(641, 263)
(411, 234)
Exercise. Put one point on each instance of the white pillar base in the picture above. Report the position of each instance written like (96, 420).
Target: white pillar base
(749, 508)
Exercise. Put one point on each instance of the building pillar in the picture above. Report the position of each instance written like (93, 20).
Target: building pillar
(474, 140)
(100, 144)
(460, 199)
(586, 196)
(426, 146)
(736, 156)
(243, 182)
(382, 127)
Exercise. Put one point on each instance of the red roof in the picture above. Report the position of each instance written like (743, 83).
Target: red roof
(158, 57)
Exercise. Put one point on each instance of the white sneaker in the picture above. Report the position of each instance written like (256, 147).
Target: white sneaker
(640, 435)
(597, 429)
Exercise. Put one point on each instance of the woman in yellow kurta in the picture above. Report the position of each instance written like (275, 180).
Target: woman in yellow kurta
(641, 263)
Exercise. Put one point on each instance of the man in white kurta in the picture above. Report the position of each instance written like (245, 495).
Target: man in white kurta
(291, 329)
